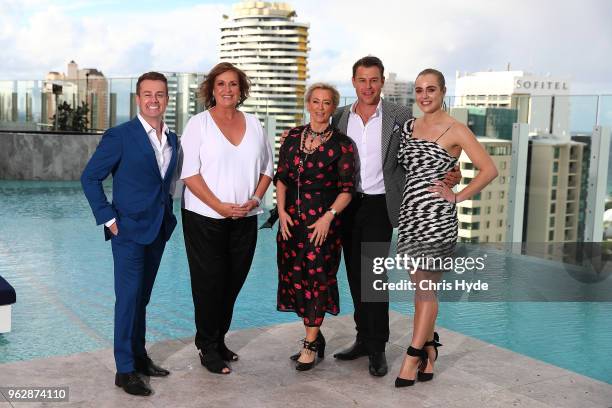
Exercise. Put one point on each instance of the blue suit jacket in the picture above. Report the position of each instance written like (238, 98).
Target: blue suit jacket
(142, 201)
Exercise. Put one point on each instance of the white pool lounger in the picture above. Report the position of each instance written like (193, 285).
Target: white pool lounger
(7, 298)
(5, 318)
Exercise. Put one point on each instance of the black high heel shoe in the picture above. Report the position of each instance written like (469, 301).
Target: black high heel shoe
(226, 354)
(317, 347)
(213, 362)
(435, 343)
(413, 352)
(320, 339)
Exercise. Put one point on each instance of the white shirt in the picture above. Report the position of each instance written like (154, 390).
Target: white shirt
(230, 172)
(162, 150)
(368, 140)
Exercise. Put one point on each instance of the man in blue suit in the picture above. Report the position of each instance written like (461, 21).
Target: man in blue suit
(142, 156)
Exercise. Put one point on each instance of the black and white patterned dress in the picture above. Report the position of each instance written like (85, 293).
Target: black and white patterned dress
(427, 223)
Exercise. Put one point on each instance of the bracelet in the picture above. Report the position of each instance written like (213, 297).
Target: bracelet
(334, 212)
(257, 199)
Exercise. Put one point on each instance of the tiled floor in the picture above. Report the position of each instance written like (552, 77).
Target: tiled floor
(469, 373)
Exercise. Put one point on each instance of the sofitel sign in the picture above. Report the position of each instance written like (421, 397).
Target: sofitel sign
(547, 85)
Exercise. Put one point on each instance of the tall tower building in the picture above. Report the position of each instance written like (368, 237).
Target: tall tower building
(553, 191)
(541, 101)
(80, 85)
(488, 122)
(398, 91)
(483, 218)
(264, 40)
(183, 102)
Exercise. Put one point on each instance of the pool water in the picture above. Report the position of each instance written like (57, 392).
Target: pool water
(55, 256)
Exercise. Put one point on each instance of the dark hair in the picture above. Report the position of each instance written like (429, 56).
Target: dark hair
(151, 76)
(367, 62)
(439, 76)
(207, 86)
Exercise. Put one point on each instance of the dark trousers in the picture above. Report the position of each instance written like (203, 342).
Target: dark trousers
(219, 252)
(135, 267)
(365, 220)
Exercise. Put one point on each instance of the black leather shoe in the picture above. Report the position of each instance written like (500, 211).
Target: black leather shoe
(144, 365)
(378, 364)
(132, 384)
(358, 349)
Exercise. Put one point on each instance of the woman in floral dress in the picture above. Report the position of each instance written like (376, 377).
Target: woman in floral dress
(314, 183)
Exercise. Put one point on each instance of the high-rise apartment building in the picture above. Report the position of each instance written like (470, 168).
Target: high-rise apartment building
(483, 218)
(184, 100)
(487, 122)
(553, 191)
(79, 85)
(541, 101)
(584, 183)
(92, 87)
(69, 94)
(264, 40)
(397, 91)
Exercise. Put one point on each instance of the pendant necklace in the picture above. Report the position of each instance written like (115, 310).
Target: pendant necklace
(309, 133)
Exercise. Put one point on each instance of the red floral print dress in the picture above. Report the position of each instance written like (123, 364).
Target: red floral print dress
(307, 282)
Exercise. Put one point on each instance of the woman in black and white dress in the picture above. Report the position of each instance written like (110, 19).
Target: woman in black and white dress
(429, 148)
(227, 168)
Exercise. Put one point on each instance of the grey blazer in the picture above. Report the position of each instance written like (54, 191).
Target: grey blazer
(393, 118)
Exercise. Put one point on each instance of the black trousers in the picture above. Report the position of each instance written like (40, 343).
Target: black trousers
(219, 252)
(365, 220)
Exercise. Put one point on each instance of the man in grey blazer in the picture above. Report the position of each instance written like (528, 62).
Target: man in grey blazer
(374, 126)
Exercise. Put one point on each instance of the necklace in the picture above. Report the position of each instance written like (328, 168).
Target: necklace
(304, 152)
(310, 136)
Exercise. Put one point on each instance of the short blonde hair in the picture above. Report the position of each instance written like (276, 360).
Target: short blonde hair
(325, 86)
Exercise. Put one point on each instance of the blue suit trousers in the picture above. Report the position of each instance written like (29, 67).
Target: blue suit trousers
(136, 267)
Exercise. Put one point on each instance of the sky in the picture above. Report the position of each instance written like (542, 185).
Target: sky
(568, 39)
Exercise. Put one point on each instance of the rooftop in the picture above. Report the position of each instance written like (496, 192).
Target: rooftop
(468, 373)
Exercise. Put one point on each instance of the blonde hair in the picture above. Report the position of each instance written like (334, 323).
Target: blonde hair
(324, 86)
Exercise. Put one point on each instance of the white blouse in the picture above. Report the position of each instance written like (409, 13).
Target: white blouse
(230, 172)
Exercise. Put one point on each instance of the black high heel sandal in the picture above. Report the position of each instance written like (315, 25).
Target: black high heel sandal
(435, 343)
(226, 354)
(320, 339)
(213, 362)
(317, 347)
(413, 352)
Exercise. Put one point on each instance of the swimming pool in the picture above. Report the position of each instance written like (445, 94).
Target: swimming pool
(61, 268)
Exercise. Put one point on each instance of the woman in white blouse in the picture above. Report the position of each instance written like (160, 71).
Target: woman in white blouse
(227, 168)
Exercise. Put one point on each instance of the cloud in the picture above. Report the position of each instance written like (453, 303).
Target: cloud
(44, 38)
(568, 39)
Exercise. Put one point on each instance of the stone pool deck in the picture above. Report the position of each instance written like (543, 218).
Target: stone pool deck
(469, 373)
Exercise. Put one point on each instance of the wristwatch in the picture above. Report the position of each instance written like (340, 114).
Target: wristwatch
(257, 199)
(331, 210)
